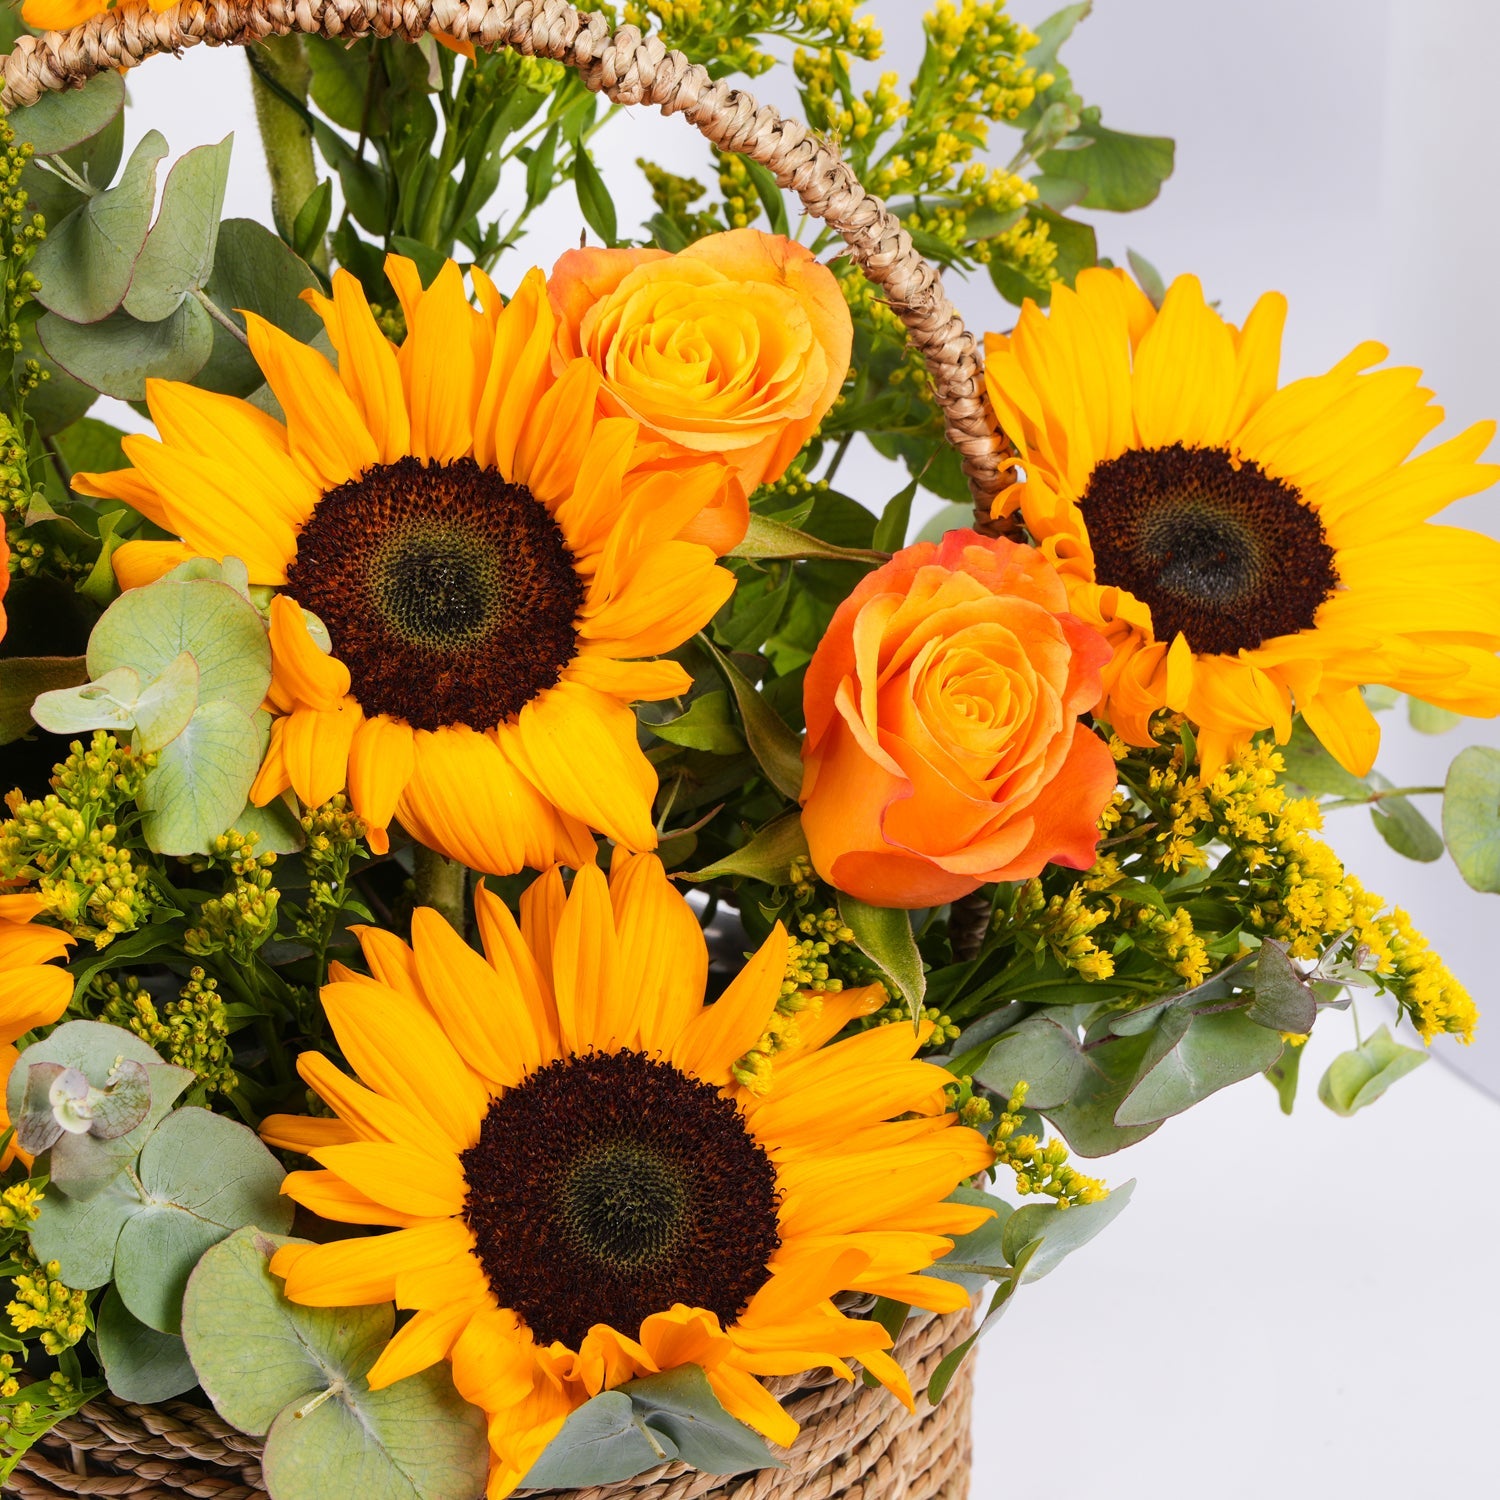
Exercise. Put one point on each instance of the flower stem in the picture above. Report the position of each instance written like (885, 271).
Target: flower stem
(279, 70)
(443, 885)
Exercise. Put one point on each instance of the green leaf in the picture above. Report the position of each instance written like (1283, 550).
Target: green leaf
(768, 190)
(884, 936)
(117, 357)
(1053, 32)
(91, 445)
(312, 219)
(1405, 829)
(1058, 1231)
(254, 271)
(1121, 172)
(100, 586)
(159, 711)
(1471, 815)
(277, 826)
(60, 120)
(298, 1375)
(1284, 1000)
(774, 746)
(769, 540)
(950, 518)
(179, 251)
(707, 725)
(1191, 1057)
(23, 679)
(149, 628)
(1311, 767)
(541, 167)
(890, 534)
(86, 262)
(600, 1443)
(83, 1166)
(1046, 1055)
(1427, 718)
(140, 1363)
(1148, 278)
(1087, 1120)
(1077, 249)
(767, 857)
(202, 780)
(949, 1365)
(594, 200)
(204, 1177)
(1283, 1074)
(1355, 1079)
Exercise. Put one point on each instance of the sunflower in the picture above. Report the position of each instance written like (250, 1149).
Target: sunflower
(1246, 547)
(34, 991)
(579, 1191)
(455, 521)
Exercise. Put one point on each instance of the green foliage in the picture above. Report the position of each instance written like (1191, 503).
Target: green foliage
(140, 1363)
(1471, 816)
(1355, 1079)
(885, 937)
(305, 1391)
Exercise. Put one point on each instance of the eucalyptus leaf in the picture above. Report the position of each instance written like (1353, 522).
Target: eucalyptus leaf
(179, 251)
(1058, 1231)
(1193, 1056)
(1402, 826)
(1047, 1056)
(86, 262)
(767, 857)
(1087, 1120)
(140, 1363)
(100, 586)
(107, 703)
(299, 1374)
(1471, 816)
(1283, 1075)
(1284, 1000)
(1311, 767)
(277, 826)
(1148, 278)
(1428, 718)
(64, 118)
(202, 780)
(883, 934)
(1359, 1077)
(976, 1257)
(117, 356)
(679, 1406)
(600, 1443)
(166, 706)
(949, 1365)
(774, 745)
(204, 1176)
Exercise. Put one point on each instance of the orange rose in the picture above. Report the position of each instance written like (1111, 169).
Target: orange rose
(943, 745)
(735, 349)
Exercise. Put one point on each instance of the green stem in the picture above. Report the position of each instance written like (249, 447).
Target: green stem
(1382, 794)
(280, 71)
(443, 885)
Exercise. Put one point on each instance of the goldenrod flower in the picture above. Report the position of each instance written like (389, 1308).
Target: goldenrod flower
(581, 1192)
(461, 524)
(1245, 546)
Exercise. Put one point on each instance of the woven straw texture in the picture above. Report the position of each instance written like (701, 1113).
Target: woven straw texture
(627, 68)
(855, 1444)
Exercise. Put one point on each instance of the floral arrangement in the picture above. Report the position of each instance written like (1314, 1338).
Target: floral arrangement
(525, 912)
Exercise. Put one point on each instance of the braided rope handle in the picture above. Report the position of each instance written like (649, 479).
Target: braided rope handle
(628, 69)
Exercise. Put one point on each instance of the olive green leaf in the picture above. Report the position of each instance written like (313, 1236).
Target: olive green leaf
(885, 937)
(1471, 816)
(117, 356)
(1428, 718)
(63, 119)
(179, 251)
(707, 725)
(140, 1363)
(767, 540)
(298, 1375)
(977, 1257)
(1399, 823)
(767, 857)
(1193, 1056)
(1058, 1232)
(1357, 1078)
(202, 780)
(86, 262)
(1046, 1055)
(773, 744)
(1284, 1000)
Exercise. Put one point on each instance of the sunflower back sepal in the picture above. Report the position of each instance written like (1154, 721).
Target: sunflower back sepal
(655, 1420)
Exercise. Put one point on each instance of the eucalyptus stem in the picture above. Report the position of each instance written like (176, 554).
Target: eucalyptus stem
(279, 71)
(443, 885)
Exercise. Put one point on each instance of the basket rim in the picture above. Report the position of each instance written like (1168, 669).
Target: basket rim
(628, 68)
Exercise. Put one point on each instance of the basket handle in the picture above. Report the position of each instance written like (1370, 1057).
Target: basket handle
(627, 68)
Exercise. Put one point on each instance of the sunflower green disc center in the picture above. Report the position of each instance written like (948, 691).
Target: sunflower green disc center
(608, 1187)
(449, 593)
(1224, 553)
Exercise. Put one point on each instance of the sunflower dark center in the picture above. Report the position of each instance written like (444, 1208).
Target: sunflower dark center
(608, 1187)
(449, 594)
(1221, 551)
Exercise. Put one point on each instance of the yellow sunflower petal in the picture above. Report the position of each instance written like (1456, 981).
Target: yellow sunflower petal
(369, 1115)
(303, 1132)
(308, 675)
(331, 1197)
(1184, 372)
(367, 366)
(426, 1339)
(1347, 728)
(591, 1008)
(516, 967)
(34, 995)
(663, 958)
(139, 563)
(437, 366)
(382, 756)
(722, 1033)
(355, 1273)
(520, 370)
(412, 1179)
(743, 1396)
(315, 745)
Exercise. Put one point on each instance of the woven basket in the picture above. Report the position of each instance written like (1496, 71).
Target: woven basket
(856, 1443)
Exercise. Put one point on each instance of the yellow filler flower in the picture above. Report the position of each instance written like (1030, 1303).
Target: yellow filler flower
(1245, 546)
(467, 532)
(34, 991)
(579, 1190)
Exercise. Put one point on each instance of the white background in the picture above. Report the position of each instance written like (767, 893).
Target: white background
(1305, 1307)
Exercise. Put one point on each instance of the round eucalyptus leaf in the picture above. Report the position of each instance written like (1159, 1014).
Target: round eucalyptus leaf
(203, 1177)
(202, 780)
(117, 356)
(59, 121)
(107, 703)
(80, 1234)
(1060, 1230)
(179, 251)
(140, 1363)
(1471, 816)
(148, 628)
